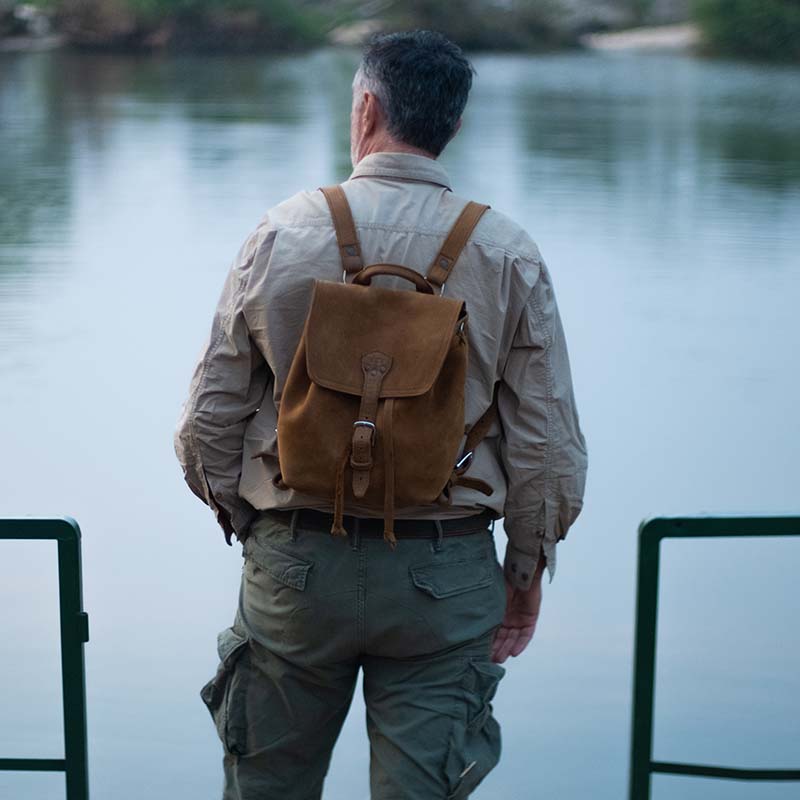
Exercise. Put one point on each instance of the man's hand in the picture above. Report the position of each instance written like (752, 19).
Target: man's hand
(519, 622)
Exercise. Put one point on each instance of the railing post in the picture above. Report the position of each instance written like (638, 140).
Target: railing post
(74, 628)
(644, 667)
(650, 535)
(74, 633)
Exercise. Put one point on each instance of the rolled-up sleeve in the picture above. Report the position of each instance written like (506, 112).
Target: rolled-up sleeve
(542, 448)
(227, 388)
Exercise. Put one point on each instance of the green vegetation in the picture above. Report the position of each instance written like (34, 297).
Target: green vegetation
(203, 25)
(300, 20)
(749, 28)
(251, 25)
(476, 24)
(754, 28)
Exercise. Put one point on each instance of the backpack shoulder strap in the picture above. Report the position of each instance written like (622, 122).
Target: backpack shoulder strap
(345, 228)
(446, 258)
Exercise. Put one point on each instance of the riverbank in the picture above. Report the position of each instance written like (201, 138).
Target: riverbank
(269, 25)
(662, 37)
(156, 25)
(253, 26)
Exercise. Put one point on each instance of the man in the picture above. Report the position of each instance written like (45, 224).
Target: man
(429, 621)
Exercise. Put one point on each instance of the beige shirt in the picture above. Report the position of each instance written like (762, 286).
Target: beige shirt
(534, 458)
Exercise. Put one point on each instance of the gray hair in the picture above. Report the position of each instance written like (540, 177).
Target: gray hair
(422, 81)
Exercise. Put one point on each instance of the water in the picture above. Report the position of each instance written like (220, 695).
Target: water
(664, 193)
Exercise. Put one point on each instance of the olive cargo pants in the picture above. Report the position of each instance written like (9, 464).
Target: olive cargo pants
(313, 609)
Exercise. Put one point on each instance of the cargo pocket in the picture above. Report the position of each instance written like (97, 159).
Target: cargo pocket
(445, 579)
(286, 568)
(275, 600)
(224, 694)
(475, 742)
(460, 600)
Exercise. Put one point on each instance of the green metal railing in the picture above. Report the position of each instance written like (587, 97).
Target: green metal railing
(74, 633)
(650, 535)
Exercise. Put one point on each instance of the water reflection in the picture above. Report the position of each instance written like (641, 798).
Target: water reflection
(35, 150)
(664, 193)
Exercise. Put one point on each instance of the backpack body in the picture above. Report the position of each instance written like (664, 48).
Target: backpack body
(372, 412)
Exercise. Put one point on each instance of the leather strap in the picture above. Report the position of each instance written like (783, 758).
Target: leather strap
(346, 236)
(337, 524)
(475, 435)
(474, 483)
(388, 489)
(364, 278)
(445, 260)
(374, 366)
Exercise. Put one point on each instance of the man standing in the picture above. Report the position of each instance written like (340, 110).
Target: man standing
(429, 621)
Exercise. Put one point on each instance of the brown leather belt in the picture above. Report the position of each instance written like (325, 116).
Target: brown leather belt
(307, 519)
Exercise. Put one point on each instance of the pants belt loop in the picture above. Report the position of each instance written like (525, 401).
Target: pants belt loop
(293, 524)
(356, 535)
(437, 545)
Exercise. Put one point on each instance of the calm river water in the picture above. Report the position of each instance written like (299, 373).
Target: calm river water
(664, 192)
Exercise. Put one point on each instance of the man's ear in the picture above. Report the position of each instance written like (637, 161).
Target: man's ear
(371, 114)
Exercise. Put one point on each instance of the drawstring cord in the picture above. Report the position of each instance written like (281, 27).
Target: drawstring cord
(337, 529)
(388, 492)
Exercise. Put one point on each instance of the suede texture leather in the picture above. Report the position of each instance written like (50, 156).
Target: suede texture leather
(347, 321)
(373, 406)
(426, 341)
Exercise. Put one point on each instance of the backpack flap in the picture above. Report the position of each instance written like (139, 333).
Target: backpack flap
(346, 322)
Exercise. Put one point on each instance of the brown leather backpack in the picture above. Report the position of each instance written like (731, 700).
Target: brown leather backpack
(372, 412)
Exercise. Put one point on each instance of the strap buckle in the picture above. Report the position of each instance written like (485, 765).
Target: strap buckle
(365, 423)
(464, 462)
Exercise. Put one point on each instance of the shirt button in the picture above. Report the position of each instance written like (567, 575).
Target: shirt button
(524, 576)
(513, 567)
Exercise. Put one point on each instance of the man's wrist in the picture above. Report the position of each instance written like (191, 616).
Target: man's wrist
(522, 569)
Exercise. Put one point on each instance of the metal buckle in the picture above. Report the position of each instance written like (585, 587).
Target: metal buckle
(365, 423)
(464, 462)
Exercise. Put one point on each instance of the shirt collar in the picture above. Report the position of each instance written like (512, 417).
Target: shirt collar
(405, 166)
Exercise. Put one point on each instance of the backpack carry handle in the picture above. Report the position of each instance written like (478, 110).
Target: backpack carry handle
(365, 276)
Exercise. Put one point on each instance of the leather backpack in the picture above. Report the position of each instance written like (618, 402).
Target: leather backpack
(372, 412)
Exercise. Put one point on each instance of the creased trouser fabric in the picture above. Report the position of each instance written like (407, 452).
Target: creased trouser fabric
(313, 610)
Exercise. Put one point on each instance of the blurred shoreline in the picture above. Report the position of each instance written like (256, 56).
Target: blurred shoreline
(230, 26)
(275, 26)
(662, 37)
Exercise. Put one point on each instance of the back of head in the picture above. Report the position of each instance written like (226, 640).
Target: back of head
(422, 81)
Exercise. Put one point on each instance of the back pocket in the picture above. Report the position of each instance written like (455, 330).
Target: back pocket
(285, 567)
(460, 600)
(447, 579)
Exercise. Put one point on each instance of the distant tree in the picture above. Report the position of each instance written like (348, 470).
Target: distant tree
(492, 24)
(753, 28)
